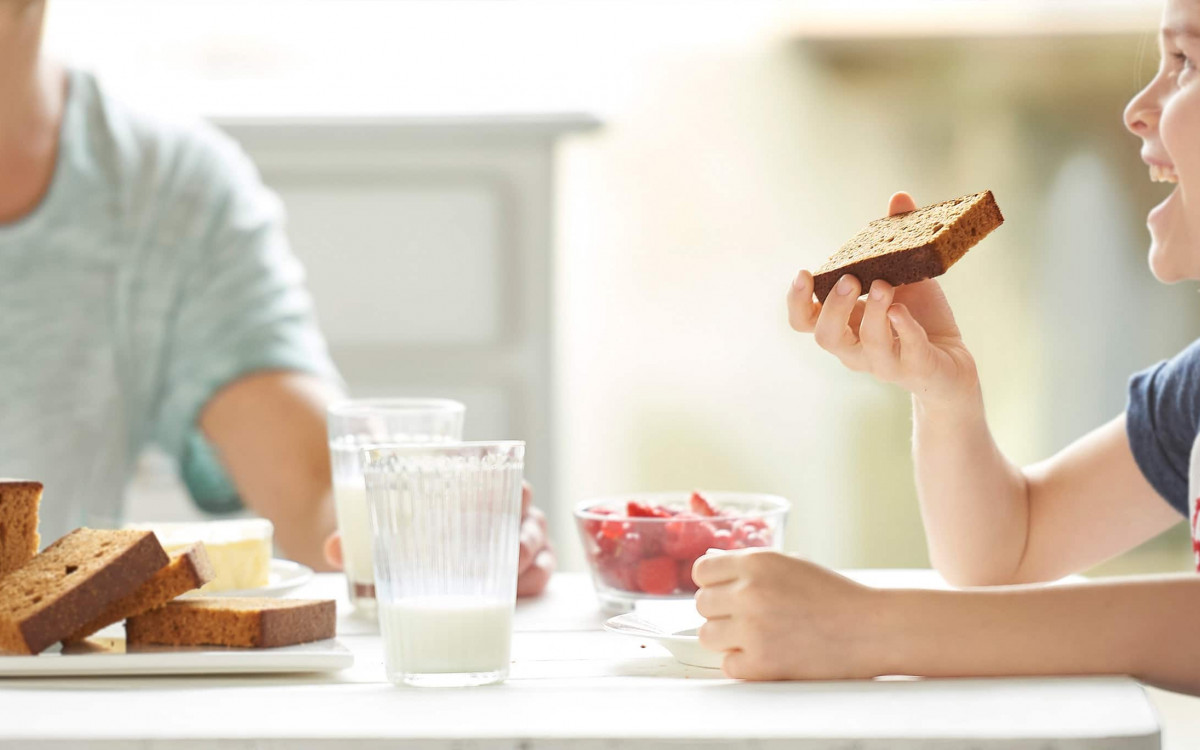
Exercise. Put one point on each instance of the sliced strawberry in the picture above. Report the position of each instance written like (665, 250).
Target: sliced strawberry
(700, 506)
(754, 523)
(722, 539)
(692, 539)
(592, 525)
(755, 539)
(635, 509)
(658, 575)
(623, 577)
(606, 546)
(614, 529)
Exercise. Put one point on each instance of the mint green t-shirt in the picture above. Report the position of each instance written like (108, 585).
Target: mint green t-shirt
(154, 271)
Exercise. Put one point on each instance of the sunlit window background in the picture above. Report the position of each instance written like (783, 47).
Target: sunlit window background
(581, 218)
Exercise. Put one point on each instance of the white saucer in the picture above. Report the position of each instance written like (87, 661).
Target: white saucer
(683, 644)
(283, 576)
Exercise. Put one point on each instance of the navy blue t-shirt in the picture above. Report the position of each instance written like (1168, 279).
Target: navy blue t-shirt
(1163, 420)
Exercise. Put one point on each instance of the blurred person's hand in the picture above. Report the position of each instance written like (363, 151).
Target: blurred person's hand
(536, 561)
(904, 335)
(782, 618)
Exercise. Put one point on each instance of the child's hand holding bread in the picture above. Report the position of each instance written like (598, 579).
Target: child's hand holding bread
(900, 334)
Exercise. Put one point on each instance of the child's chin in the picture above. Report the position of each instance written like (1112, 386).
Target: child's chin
(1170, 263)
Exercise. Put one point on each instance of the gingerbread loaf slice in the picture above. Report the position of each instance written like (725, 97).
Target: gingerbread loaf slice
(233, 621)
(19, 500)
(913, 246)
(188, 570)
(70, 583)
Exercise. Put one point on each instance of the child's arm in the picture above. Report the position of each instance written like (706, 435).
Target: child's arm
(987, 521)
(784, 618)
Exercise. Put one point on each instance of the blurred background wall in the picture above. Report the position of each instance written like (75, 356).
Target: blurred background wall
(737, 142)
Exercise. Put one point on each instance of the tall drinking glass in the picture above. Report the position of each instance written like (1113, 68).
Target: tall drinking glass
(445, 523)
(354, 424)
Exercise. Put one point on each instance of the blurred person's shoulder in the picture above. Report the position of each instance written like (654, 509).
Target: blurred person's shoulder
(168, 177)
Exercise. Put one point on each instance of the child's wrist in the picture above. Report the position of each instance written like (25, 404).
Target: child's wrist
(964, 401)
(899, 632)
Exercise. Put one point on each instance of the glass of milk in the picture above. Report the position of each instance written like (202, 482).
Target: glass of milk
(353, 425)
(444, 520)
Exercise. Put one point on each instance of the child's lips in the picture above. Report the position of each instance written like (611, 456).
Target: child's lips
(1157, 212)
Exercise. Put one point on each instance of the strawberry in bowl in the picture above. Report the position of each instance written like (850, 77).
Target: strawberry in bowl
(643, 546)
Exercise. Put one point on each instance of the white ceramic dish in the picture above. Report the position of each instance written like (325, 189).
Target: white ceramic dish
(106, 657)
(283, 576)
(683, 644)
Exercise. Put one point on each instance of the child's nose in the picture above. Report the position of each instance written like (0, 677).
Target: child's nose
(1141, 115)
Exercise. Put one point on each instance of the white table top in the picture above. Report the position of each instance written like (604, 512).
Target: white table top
(573, 685)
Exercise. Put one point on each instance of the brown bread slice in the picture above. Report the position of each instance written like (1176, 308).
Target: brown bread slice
(909, 247)
(70, 583)
(188, 570)
(234, 621)
(19, 500)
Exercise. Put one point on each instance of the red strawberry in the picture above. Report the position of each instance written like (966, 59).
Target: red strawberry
(630, 546)
(606, 546)
(755, 539)
(700, 506)
(722, 539)
(754, 523)
(592, 525)
(658, 575)
(623, 577)
(635, 509)
(614, 529)
(692, 539)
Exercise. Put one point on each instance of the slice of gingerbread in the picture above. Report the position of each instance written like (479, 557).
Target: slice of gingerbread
(19, 500)
(188, 570)
(70, 583)
(913, 246)
(234, 621)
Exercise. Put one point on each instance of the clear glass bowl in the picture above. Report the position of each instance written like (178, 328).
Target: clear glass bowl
(635, 557)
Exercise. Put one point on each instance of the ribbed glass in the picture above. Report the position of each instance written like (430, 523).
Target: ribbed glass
(444, 522)
(358, 423)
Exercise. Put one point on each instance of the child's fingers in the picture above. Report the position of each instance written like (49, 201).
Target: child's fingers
(901, 203)
(718, 635)
(802, 310)
(914, 342)
(875, 331)
(711, 570)
(715, 601)
(738, 666)
(832, 332)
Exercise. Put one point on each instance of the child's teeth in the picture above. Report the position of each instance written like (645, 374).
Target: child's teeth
(1160, 173)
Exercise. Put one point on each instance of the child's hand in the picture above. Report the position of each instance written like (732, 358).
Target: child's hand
(904, 335)
(782, 618)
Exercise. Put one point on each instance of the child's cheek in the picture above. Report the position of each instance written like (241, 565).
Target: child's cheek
(1180, 129)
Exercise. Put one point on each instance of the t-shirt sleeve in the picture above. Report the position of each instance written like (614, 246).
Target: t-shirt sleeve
(1162, 421)
(242, 307)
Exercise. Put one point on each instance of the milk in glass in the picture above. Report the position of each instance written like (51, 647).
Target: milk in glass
(447, 635)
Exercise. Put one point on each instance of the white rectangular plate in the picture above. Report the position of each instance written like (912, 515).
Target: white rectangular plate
(107, 657)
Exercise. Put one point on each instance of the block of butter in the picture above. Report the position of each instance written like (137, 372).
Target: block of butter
(239, 549)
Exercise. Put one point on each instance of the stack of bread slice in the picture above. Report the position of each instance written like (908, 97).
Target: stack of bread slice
(93, 578)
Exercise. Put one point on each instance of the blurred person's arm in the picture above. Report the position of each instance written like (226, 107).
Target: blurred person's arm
(778, 617)
(268, 429)
(987, 521)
